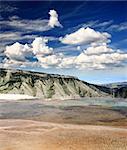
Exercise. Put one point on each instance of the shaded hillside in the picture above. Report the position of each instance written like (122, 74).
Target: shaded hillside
(48, 85)
(118, 89)
(121, 92)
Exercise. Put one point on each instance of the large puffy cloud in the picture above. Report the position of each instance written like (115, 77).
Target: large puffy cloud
(68, 62)
(98, 49)
(101, 57)
(94, 58)
(85, 36)
(37, 54)
(53, 60)
(97, 55)
(40, 47)
(53, 21)
(18, 52)
(8, 37)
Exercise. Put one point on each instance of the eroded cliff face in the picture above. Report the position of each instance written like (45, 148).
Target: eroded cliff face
(48, 86)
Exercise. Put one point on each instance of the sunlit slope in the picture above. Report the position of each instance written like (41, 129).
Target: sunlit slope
(47, 85)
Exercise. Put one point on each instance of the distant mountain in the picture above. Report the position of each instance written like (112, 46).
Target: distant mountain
(48, 86)
(121, 92)
(118, 89)
(116, 85)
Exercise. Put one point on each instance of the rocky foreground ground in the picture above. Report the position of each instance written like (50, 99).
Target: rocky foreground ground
(87, 124)
(35, 135)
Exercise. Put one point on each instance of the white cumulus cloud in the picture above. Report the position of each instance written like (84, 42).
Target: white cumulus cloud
(68, 62)
(50, 61)
(18, 51)
(100, 57)
(53, 21)
(98, 49)
(85, 36)
(39, 46)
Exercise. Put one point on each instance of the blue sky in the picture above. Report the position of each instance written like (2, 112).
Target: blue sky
(84, 39)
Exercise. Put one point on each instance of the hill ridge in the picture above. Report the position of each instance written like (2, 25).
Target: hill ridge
(48, 86)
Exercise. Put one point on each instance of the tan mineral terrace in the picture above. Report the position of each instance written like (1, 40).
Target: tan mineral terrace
(34, 135)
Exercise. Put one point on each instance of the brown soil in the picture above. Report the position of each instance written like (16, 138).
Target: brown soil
(35, 135)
